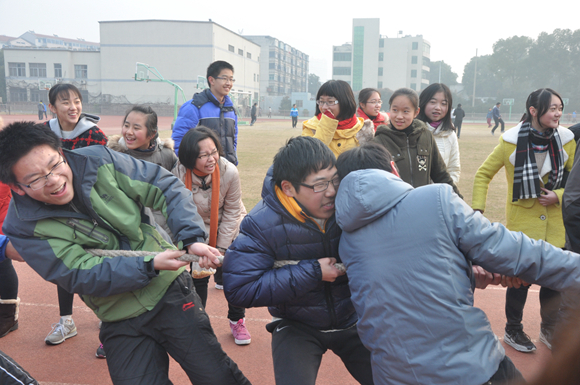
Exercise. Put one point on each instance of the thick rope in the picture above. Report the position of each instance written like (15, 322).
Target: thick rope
(184, 258)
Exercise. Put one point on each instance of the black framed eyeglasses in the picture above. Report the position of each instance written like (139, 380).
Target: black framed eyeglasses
(322, 186)
(39, 183)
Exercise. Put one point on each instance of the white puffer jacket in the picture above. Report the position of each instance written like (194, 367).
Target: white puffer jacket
(449, 149)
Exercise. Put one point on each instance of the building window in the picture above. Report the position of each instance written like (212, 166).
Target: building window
(272, 54)
(57, 70)
(341, 71)
(17, 69)
(413, 59)
(380, 85)
(231, 48)
(342, 56)
(272, 77)
(381, 56)
(18, 94)
(380, 71)
(426, 61)
(413, 74)
(240, 52)
(425, 74)
(299, 103)
(272, 66)
(414, 86)
(248, 55)
(81, 71)
(37, 70)
(381, 43)
(426, 48)
(415, 45)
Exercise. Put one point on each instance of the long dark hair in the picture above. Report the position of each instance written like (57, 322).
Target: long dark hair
(540, 99)
(189, 147)
(426, 95)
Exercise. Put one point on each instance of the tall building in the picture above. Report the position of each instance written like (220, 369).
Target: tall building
(376, 61)
(284, 69)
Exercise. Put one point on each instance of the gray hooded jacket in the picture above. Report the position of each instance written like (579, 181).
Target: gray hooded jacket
(408, 253)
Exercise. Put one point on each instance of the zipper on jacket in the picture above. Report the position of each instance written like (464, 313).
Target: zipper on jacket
(87, 230)
(410, 161)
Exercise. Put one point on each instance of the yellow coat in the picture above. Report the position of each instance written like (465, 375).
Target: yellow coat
(325, 129)
(525, 215)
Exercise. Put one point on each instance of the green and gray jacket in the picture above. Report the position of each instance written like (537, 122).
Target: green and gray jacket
(113, 189)
(416, 156)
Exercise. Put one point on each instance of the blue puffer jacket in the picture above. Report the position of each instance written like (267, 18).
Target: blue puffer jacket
(294, 292)
(205, 110)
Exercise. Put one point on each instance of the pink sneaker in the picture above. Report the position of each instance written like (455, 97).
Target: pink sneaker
(241, 334)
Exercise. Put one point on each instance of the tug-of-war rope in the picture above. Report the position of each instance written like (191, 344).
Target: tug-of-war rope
(201, 273)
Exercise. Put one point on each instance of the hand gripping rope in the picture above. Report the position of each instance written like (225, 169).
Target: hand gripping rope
(187, 258)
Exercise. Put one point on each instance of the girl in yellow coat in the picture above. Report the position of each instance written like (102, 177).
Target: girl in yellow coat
(536, 154)
(336, 123)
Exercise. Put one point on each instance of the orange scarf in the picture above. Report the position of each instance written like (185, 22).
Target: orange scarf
(215, 199)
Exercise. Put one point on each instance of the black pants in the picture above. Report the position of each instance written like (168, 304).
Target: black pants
(253, 120)
(234, 313)
(515, 299)
(507, 374)
(65, 301)
(178, 325)
(297, 351)
(8, 280)
(458, 124)
(294, 121)
(497, 122)
(13, 374)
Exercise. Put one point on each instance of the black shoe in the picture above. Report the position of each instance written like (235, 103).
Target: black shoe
(546, 337)
(519, 340)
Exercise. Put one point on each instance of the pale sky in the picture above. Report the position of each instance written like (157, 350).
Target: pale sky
(455, 29)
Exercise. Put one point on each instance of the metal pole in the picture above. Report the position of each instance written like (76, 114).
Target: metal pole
(474, 80)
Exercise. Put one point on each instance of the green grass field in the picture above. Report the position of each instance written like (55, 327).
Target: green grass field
(258, 144)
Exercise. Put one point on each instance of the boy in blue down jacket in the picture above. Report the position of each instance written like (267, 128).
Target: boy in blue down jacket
(65, 202)
(309, 301)
(414, 295)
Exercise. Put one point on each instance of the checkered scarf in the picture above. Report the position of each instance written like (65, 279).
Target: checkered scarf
(526, 176)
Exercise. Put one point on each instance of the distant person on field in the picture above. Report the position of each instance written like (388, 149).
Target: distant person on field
(269, 112)
(294, 115)
(41, 108)
(537, 155)
(254, 114)
(45, 115)
(212, 108)
(488, 117)
(335, 122)
(459, 114)
(434, 103)
(496, 114)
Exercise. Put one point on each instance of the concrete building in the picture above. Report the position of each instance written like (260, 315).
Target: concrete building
(284, 69)
(372, 60)
(105, 72)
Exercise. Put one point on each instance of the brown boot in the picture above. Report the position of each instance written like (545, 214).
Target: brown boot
(8, 315)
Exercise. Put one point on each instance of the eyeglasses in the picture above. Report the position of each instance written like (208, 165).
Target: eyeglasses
(206, 156)
(39, 183)
(226, 80)
(329, 103)
(322, 186)
(375, 102)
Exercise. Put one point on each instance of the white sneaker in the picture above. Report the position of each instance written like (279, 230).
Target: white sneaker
(61, 331)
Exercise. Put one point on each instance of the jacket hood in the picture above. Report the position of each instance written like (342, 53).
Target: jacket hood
(86, 122)
(366, 195)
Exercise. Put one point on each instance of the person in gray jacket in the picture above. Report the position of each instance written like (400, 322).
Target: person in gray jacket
(408, 253)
